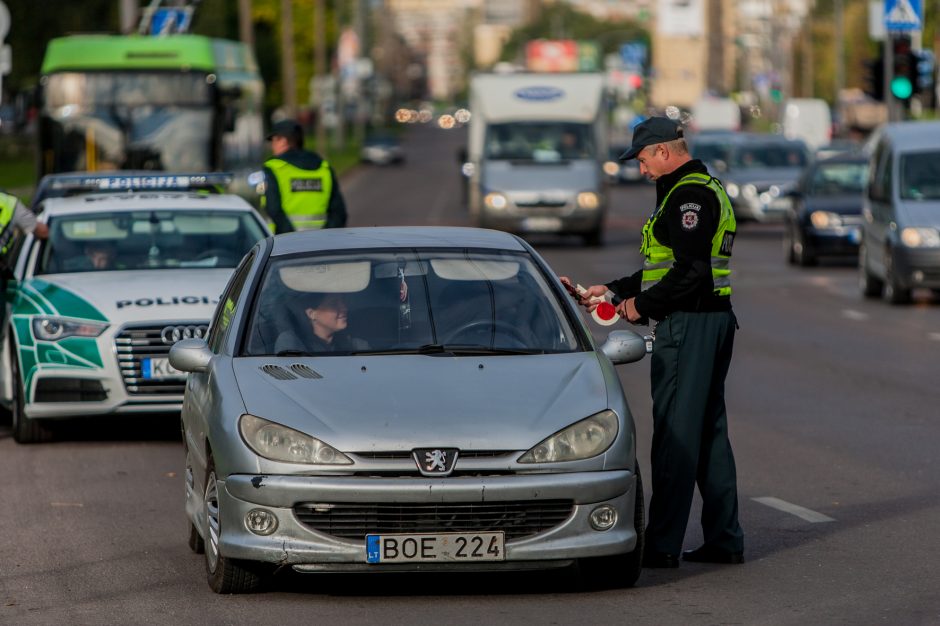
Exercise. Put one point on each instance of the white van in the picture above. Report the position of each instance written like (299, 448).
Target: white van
(716, 114)
(808, 119)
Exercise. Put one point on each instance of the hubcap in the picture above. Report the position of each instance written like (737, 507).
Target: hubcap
(212, 522)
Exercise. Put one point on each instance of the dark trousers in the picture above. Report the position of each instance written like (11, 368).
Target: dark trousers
(690, 360)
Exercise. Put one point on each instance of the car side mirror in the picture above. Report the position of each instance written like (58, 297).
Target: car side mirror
(626, 346)
(190, 355)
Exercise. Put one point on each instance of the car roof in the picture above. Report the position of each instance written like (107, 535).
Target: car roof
(144, 201)
(913, 136)
(395, 237)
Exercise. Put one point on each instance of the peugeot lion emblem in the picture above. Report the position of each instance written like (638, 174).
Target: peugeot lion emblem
(435, 461)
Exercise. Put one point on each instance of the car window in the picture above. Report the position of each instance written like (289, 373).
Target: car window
(143, 240)
(768, 155)
(920, 175)
(539, 142)
(833, 179)
(227, 308)
(400, 301)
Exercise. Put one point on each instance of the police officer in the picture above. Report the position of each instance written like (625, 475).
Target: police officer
(15, 221)
(301, 189)
(685, 285)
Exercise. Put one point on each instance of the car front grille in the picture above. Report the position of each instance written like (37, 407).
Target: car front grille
(355, 521)
(133, 344)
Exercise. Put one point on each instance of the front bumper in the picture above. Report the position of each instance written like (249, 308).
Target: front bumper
(580, 222)
(308, 550)
(842, 241)
(917, 267)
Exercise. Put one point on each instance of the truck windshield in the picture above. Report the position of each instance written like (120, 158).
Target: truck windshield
(539, 142)
(100, 121)
(920, 176)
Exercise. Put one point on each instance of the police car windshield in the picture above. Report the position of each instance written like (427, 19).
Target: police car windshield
(143, 240)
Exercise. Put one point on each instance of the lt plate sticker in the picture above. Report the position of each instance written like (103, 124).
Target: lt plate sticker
(690, 220)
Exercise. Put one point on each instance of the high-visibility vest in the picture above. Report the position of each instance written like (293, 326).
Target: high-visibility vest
(8, 231)
(659, 258)
(305, 194)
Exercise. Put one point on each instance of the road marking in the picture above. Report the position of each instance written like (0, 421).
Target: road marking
(934, 336)
(68, 504)
(794, 509)
(852, 314)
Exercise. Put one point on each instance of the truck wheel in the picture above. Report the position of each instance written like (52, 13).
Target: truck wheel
(894, 292)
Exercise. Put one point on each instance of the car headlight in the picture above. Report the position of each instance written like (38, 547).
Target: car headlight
(825, 219)
(583, 440)
(920, 237)
(55, 328)
(732, 190)
(280, 443)
(749, 191)
(611, 168)
(496, 201)
(588, 200)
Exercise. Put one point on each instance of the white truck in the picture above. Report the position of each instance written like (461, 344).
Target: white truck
(537, 146)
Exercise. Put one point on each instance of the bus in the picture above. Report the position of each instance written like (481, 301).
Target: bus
(132, 102)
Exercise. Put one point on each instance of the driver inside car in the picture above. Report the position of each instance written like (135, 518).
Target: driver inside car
(320, 321)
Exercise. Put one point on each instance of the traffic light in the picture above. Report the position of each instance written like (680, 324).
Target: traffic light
(874, 84)
(924, 76)
(905, 69)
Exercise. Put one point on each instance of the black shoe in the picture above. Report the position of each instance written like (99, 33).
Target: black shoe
(660, 560)
(708, 554)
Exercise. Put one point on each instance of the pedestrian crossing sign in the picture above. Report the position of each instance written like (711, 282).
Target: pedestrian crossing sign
(904, 15)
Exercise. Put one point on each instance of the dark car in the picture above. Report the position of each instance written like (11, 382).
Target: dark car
(618, 171)
(825, 215)
(382, 150)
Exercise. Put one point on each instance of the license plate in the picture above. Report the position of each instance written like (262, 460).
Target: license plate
(435, 548)
(159, 369)
(541, 224)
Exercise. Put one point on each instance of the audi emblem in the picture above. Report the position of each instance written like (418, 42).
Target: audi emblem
(171, 334)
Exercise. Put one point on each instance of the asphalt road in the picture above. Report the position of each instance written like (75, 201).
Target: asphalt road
(834, 417)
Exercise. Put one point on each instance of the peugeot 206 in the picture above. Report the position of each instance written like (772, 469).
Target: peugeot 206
(406, 399)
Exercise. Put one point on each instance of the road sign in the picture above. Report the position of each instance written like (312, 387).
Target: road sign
(904, 15)
(170, 20)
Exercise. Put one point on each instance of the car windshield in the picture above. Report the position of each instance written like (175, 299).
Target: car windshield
(834, 179)
(143, 240)
(539, 142)
(920, 176)
(438, 301)
(710, 152)
(769, 155)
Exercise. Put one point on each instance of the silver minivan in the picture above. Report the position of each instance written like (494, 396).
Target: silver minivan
(900, 247)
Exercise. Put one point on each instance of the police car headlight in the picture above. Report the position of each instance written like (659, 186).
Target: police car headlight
(732, 190)
(825, 219)
(280, 443)
(588, 200)
(496, 201)
(582, 440)
(920, 237)
(55, 328)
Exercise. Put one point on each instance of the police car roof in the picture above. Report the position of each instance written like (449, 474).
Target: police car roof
(395, 237)
(144, 201)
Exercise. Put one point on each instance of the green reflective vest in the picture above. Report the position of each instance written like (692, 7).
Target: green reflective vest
(305, 194)
(658, 258)
(7, 229)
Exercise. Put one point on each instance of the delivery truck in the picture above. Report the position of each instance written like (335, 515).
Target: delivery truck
(536, 148)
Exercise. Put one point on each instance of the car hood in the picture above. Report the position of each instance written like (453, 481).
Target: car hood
(567, 176)
(843, 205)
(129, 296)
(919, 213)
(396, 403)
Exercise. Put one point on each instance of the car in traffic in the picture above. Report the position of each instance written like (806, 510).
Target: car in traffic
(900, 246)
(382, 149)
(825, 215)
(96, 307)
(621, 172)
(406, 399)
(757, 170)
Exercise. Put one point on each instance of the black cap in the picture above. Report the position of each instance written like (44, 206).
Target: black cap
(651, 132)
(288, 129)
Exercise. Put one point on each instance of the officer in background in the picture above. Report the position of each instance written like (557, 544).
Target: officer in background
(685, 284)
(15, 221)
(301, 189)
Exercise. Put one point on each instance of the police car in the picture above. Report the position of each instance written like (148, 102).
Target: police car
(131, 266)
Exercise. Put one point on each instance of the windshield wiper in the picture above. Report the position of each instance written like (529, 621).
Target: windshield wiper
(294, 353)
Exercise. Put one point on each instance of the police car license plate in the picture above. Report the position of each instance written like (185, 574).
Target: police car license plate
(403, 548)
(541, 224)
(159, 369)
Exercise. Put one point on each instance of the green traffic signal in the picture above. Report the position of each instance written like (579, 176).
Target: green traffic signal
(901, 87)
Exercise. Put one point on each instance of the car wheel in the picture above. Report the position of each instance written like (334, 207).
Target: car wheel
(595, 238)
(870, 285)
(894, 292)
(788, 253)
(803, 253)
(225, 575)
(25, 430)
(620, 570)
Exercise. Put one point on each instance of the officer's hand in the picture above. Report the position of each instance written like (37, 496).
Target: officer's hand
(589, 293)
(41, 231)
(627, 310)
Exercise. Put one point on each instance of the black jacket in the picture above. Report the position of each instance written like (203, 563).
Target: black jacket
(687, 226)
(304, 159)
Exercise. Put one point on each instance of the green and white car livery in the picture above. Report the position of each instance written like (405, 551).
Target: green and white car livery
(95, 308)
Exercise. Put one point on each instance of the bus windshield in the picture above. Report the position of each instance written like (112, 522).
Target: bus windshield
(102, 121)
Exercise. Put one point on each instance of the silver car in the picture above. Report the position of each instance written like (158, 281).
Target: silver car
(406, 399)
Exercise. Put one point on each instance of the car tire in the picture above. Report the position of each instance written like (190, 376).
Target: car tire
(894, 292)
(25, 430)
(595, 238)
(788, 252)
(870, 285)
(621, 570)
(804, 255)
(225, 575)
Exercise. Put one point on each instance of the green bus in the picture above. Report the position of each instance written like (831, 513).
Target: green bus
(133, 102)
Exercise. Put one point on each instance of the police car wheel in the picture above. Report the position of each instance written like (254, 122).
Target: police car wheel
(25, 430)
(620, 570)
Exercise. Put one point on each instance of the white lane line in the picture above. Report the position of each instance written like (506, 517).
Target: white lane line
(933, 336)
(852, 314)
(794, 509)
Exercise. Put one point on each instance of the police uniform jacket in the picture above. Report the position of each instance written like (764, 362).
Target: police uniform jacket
(304, 159)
